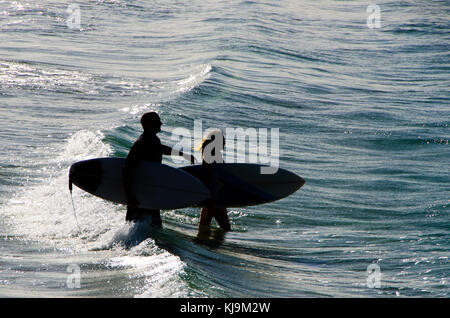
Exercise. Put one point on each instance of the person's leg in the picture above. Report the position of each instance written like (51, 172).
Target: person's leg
(136, 214)
(156, 218)
(221, 216)
(132, 214)
(206, 216)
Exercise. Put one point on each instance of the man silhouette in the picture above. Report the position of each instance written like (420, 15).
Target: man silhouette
(146, 147)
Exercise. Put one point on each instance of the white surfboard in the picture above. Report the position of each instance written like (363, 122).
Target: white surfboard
(154, 185)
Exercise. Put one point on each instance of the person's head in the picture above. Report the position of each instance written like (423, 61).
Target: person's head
(212, 146)
(151, 122)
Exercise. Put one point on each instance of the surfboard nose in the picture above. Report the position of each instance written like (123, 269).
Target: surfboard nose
(292, 181)
(300, 181)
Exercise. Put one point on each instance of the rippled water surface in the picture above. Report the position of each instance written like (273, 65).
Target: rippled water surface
(362, 113)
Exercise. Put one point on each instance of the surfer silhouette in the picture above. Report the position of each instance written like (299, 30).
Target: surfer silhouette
(146, 147)
(212, 147)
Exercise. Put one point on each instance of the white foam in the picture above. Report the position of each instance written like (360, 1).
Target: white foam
(196, 75)
(21, 75)
(160, 273)
(138, 109)
(44, 211)
(82, 145)
(199, 75)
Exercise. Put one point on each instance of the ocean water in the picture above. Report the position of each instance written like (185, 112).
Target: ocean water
(363, 112)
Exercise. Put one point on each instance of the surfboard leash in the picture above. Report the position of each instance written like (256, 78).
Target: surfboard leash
(73, 205)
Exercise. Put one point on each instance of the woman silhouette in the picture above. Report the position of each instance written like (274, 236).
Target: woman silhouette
(212, 147)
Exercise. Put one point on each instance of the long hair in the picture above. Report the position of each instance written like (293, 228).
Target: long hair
(211, 136)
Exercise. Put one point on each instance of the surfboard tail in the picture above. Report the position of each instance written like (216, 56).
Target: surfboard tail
(86, 174)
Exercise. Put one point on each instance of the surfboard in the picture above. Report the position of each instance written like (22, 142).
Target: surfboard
(242, 184)
(154, 185)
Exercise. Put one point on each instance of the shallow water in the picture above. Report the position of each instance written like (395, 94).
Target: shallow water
(362, 114)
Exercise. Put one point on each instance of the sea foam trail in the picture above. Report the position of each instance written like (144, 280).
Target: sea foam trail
(44, 211)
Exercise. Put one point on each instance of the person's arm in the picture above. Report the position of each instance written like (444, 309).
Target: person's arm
(168, 151)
